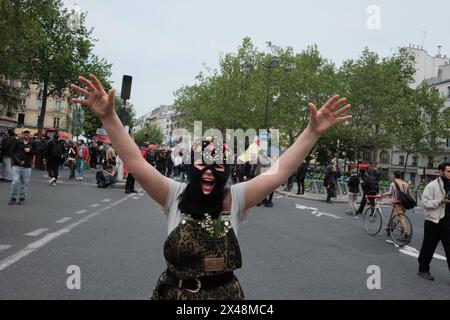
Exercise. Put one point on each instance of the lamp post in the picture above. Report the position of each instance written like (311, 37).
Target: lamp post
(125, 95)
(274, 63)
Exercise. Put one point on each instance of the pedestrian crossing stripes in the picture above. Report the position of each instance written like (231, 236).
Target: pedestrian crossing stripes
(4, 247)
(81, 212)
(95, 205)
(64, 220)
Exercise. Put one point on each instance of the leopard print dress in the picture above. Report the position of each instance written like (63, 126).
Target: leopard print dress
(185, 251)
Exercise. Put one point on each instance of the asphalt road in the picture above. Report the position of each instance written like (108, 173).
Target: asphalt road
(299, 249)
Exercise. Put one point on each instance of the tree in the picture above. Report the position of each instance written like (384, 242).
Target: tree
(57, 51)
(126, 114)
(154, 135)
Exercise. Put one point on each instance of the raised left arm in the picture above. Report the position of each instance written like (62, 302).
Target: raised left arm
(320, 121)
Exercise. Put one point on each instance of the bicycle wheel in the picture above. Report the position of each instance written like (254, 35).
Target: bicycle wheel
(398, 234)
(373, 221)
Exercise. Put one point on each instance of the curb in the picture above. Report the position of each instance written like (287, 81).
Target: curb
(306, 197)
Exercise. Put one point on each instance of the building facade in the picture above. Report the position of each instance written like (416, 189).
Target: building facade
(434, 70)
(58, 112)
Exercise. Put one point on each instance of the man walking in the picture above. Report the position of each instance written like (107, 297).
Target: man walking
(436, 201)
(353, 191)
(54, 153)
(300, 176)
(23, 152)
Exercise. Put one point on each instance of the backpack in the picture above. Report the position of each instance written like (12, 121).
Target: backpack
(57, 150)
(405, 199)
(372, 185)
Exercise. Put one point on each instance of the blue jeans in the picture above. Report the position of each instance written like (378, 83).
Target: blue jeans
(80, 168)
(19, 185)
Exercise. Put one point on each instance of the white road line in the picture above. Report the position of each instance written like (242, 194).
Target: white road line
(37, 232)
(95, 205)
(81, 212)
(136, 198)
(64, 220)
(107, 200)
(52, 236)
(4, 247)
(413, 252)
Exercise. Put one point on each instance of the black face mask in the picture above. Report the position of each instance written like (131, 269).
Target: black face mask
(194, 202)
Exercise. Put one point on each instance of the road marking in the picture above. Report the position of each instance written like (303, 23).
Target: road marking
(37, 232)
(413, 252)
(81, 212)
(136, 198)
(52, 236)
(4, 247)
(316, 212)
(64, 220)
(95, 205)
(107, 200)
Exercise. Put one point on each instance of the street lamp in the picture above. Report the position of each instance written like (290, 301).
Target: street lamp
(125, 94)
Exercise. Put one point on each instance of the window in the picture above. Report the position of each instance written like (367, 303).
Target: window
(448, 143)
(415, 160)
(167, 126)
(367, 156)
(412, 178)
(384, 157)
(56, 122)
(58, 105)
(21, 120)
(402, 160)
(448, 92)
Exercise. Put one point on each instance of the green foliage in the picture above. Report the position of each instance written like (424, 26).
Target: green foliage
(155, 136)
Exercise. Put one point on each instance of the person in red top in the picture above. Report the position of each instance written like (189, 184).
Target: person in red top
(82, 159)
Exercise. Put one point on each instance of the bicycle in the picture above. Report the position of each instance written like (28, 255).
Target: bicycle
(373, 221)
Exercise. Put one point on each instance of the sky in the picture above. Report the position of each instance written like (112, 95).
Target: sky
(164, 44)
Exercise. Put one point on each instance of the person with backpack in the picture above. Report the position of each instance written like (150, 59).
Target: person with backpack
(330, 182)
(399, 186)
(53, 154)
(370, 187)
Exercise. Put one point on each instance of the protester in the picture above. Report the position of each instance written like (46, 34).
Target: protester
(202, 250)
(436, 201)
(22, 151)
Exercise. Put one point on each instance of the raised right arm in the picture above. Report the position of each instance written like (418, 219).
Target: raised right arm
(102, 104)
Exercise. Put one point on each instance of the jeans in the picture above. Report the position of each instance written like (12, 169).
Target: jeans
(80, 168)
(19, 185)
(7, 169)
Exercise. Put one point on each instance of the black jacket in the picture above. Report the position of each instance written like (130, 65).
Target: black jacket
(20, 157)
(302, 171)
(7, 146)
(353, 184)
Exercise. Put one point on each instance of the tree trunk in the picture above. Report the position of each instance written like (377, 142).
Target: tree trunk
(43, 109)
(406, 164)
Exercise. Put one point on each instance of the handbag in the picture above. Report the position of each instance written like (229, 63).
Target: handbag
(405, 199)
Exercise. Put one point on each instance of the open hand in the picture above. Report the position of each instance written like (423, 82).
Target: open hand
(96, 98)
(329, 115)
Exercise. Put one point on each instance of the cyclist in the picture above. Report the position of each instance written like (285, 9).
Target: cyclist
(399, 210)
(369, 187)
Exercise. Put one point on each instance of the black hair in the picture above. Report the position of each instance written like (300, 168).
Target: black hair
(443, 165)
(397, 174)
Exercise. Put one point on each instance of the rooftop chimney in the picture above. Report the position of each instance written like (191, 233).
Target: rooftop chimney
(439, 51)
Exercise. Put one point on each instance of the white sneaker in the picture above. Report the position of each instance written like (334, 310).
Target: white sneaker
(53, 184)
(81, 178)
(52, 180)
